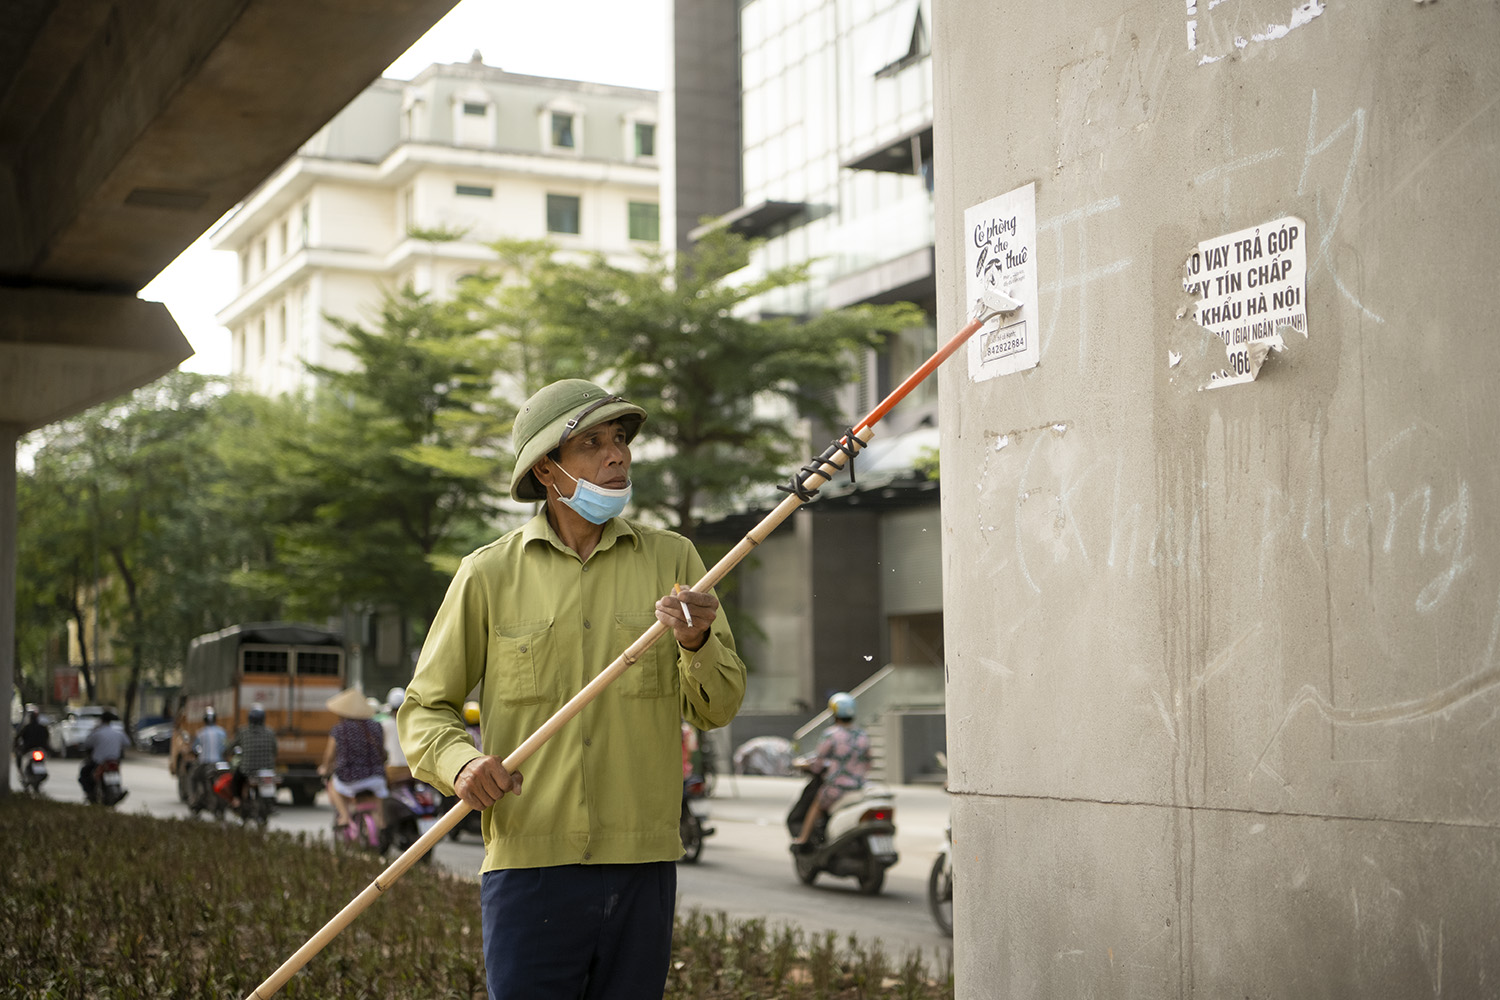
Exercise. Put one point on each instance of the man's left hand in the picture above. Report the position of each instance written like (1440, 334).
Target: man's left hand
(688, 614)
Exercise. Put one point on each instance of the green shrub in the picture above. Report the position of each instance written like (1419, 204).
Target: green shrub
(101, 904)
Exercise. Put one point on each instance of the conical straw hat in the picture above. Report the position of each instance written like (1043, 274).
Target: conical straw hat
(351, 704)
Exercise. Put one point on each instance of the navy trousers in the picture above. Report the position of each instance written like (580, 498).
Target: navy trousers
(578, 932)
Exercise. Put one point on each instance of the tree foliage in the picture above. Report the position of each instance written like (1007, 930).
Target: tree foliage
(121, 495)
(55, 570)
(721, 386)
(378, 481)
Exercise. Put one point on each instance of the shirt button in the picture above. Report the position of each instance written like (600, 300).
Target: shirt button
(587, 855)
(588, 741)
(522, 649)
(586, 623)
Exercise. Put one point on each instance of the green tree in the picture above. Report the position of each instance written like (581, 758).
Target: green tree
(381, 479)
(55, 572)
(721, 386)
(115, 513)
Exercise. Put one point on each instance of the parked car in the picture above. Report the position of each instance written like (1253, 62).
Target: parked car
(69, 732)
(155, 738)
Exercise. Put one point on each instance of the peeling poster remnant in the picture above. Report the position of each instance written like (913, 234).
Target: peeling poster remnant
(1001, 251)
(1251, 285)
(1221, 38)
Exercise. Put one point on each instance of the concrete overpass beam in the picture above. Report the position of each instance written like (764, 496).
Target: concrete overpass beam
(64, 351)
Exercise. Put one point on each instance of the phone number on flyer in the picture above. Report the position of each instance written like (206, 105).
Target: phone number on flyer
(1003, 343)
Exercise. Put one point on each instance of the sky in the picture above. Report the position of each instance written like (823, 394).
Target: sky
(603, 41)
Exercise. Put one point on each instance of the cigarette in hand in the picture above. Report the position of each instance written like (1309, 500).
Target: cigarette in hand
(685, 612)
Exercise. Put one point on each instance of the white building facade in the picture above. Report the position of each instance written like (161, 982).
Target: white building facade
(407, 185)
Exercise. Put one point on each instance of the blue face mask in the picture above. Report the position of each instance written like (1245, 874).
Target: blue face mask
(594, 504)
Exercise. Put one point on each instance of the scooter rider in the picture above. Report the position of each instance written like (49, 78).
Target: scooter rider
(31, 735)
(257, 750)
(104, 744)
(842, 758)
(210, 741)
(208, 747)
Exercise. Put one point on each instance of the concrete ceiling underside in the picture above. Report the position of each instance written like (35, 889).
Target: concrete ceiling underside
(127, 127)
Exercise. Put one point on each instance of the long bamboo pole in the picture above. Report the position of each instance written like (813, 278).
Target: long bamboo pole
(829, 465)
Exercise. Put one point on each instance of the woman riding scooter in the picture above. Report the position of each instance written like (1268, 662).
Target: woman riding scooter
(841, 824)
(842, 758)
(355, 759)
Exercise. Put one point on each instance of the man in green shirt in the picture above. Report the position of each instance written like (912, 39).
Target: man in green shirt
(579, 877)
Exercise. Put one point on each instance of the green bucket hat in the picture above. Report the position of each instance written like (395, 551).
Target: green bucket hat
(553, 414)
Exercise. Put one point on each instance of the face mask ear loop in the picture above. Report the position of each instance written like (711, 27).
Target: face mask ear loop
(565, 472)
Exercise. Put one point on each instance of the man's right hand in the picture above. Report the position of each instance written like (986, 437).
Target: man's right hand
(483, 781)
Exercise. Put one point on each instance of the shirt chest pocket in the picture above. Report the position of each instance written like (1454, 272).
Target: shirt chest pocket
(655, 674)
(520, 662)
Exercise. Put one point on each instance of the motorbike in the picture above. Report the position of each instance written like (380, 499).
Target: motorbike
(108, 787)
(473, 821)
(856, 838)
(216, 793)
(34, 770)
(940, 885)
(410, 811)
(258, 800)
(363, 829)
(203, 779)
(692, 827)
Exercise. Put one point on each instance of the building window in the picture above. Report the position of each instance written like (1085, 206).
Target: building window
(562, 213)
(645, 221)
(474, 190)
(645, 139)
(562, 130)
(473, 119)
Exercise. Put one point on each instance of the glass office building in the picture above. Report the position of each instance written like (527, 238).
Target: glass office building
(835, 109)
(836, 125)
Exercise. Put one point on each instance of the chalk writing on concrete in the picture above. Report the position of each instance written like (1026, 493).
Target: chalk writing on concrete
(1071, 228)
(1327, 227)
(1483, 680)
(1062, 507)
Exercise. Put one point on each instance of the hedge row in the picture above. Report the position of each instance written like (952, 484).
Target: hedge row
(96, 903)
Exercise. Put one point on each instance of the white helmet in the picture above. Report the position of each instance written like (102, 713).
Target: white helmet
(842, 705)
(394, 697)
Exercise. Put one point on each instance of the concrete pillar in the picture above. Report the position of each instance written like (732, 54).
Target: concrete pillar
(1223, 661)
